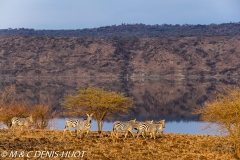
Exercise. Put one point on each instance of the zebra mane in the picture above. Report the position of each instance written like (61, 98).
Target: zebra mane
(161, 120)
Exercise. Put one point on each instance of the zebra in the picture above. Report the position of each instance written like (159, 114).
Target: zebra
(138, 124)
(73, 123)
(84, 125)
(123, 126)
(15, 121)
(70, 123)
(152, 122)
(161, 122)
(150, 128)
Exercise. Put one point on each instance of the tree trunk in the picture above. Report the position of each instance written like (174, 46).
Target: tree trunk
(99, 123)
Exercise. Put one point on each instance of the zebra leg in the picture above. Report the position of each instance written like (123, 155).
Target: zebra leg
(154, 135)
(143, 134)
(78, 131)
(117, 134)
(151, 135)
(87, 133)
(13, 127)
(113, 132)
(139, 132)
(126, 133)
(81, 133)
(132, 133)
(70, 132)
(67, 129)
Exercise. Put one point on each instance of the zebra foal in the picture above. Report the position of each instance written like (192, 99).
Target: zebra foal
(15, 121)
(123, 126)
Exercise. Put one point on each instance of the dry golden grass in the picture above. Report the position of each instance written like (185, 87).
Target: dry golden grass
(166, 146)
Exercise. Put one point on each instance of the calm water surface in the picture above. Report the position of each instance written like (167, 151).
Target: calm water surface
(154, 99)
(192, 127)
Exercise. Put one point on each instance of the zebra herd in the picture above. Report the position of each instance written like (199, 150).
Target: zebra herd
(143, 127)
(83, 126)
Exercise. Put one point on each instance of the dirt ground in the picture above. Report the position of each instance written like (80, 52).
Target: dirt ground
(50, 144)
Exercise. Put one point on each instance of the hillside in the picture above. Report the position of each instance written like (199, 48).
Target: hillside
(119, 56)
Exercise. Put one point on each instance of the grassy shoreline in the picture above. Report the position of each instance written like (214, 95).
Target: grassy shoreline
(95, 146)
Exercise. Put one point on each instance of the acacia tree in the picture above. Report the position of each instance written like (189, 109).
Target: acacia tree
(224, 111)
(98, 101)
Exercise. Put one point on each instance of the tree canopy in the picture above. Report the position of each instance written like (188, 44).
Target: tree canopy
(98, 101)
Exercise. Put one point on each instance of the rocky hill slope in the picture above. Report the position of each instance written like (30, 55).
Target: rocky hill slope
(119, 56)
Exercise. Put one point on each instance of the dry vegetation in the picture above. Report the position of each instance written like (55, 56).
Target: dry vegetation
(35, 56)
(223, 112)
(166, 146)
(10, 107)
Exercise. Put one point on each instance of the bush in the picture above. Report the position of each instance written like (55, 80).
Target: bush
(10, 108)
(224, 111)
(42, 116)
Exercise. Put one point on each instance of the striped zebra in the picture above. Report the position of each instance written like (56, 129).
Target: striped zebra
(70, 123)
(151, 127)
(138, 124)
(123, 126)
(161, 122)
(74, 123)
(84, 125)
(22, 122)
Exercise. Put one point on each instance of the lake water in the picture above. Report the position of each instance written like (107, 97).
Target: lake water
(154, 99)
(192, 127)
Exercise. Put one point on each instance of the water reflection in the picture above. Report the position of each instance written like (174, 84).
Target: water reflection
(170, 99)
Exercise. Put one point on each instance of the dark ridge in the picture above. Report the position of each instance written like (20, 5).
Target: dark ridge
(139, 30)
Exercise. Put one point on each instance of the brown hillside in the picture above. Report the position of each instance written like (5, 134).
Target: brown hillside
(178, 56)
